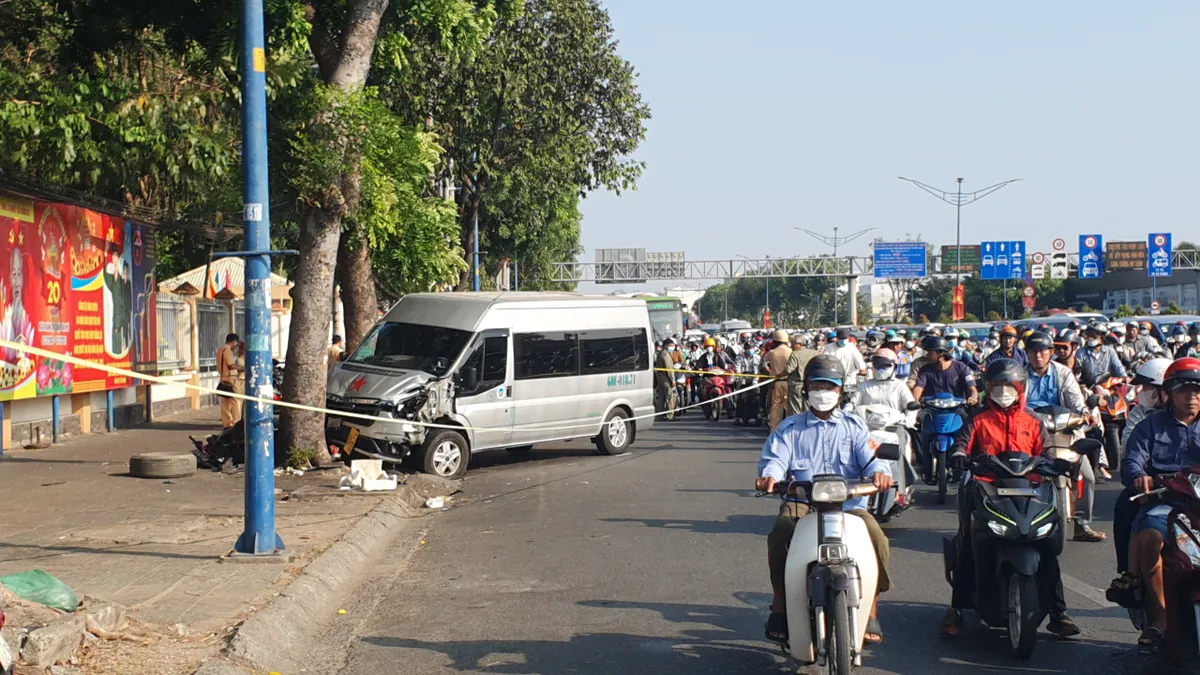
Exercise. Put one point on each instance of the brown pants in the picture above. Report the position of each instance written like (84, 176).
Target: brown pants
(779, 397)
(780, 540)
(231, 408)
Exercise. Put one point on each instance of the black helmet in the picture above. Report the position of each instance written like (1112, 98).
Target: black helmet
(1038, 340)
(935, 343)
(1194, 329)
(1006, 371)
(1096, 327)
(1069, 337)
(1073, 324)
(824, 367)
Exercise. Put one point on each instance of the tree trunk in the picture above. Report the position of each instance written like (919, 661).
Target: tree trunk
(304, 379)
(357, 279)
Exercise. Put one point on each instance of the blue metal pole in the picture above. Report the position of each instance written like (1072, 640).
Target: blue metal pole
(516, 276)
(476, 270)
(55, 422)
(259, 536)
(112, 414)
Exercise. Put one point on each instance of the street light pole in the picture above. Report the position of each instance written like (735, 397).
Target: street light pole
(835, 241)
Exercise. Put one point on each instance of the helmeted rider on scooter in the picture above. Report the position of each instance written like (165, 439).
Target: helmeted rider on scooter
(812, 443)
(1004, 425)
(941, 375)
(884, 388)
(1165, 442)
(1052, 383)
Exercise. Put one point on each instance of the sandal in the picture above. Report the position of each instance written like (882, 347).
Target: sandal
(777, 628)
(874, 634)
(1124, 591)
(1086, 533)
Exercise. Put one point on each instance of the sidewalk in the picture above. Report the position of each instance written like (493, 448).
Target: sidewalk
(153, 545)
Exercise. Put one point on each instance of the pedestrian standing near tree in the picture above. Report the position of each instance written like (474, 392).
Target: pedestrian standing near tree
(231, 381)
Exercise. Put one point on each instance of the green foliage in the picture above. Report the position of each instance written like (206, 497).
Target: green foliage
(994, 316)
(1139, 311)
(1124, 311)
(1172, 308)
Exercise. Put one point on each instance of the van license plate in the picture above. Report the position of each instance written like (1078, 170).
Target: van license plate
(351, 439)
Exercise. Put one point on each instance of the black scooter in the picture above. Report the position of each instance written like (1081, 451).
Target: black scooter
(1013, 527)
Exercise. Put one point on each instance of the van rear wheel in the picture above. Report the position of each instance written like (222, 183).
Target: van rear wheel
(446, 454)
(615, 434)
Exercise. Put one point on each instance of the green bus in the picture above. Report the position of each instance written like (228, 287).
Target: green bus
(666, 317)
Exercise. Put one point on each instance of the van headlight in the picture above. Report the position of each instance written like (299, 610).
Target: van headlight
(829, 491)
(1000, 529)
(1044, 529)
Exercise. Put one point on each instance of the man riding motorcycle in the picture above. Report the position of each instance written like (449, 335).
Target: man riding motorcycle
(1165, 442)
(1066, 346)
(884, 388)
(1003, 426)
(1053, 383)
(1008, 348)
(1097, 359)
(824, 440)
(943, 374)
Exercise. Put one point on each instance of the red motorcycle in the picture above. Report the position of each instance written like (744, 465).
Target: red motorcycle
(717, 383)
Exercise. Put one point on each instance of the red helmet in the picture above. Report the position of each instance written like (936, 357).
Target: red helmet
(1183, 371)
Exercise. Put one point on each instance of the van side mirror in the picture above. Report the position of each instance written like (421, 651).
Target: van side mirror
(913, 406)
(1093, 401)
(470, 378)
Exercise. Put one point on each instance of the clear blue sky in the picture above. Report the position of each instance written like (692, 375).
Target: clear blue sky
(773, 114)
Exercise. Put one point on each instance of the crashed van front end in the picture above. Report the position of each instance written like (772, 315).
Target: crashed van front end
(411, 398)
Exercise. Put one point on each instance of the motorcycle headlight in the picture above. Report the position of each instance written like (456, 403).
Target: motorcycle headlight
(829, 491)
(1044, 529)
(1000, 529)
(875, 421)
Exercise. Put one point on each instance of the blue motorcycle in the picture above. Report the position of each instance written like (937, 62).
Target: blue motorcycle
(941, 418)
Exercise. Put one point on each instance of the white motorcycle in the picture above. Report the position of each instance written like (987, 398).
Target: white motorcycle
(890, 439)
(831, 575)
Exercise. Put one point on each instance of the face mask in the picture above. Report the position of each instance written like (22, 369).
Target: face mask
(670, 348)
(751, 353)
(1148, 398)
(1093, 342)
(1004, 395)
(823, 400)
(708, 350)
(993, 342)
(910, 344)
(884, 373)
(843, 342)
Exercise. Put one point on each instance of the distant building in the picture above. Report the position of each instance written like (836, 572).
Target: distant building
(883, 301)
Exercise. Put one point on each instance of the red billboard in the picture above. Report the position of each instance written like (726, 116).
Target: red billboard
(67, 280)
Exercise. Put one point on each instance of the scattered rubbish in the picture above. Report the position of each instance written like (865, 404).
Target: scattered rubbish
(368, 475)
(435, 502)
(584, 483)
(62, 537)
(341, 611)
(168, 482)
(295, 472)
(279, 471)
(43, 588)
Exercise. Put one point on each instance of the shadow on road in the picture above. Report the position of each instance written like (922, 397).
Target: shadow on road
(911, 539)
(736, 524)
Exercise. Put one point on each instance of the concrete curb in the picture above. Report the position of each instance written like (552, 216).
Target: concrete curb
(266, 641)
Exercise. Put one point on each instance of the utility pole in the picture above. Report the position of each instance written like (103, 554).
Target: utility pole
(475, 224)
(259, 536)
(835, 241)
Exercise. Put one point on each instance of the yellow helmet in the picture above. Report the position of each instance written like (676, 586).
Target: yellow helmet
(709, 342)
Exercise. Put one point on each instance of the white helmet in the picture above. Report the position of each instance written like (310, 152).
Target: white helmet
(1152, 371)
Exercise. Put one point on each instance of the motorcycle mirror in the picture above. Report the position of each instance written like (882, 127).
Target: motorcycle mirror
(889, 452)
(913, 406)
(1093, 401)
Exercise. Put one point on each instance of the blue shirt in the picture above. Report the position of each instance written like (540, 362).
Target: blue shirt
(1160, 444)
(1018, 356)
(1043, 389)
(805, 445)
(1095, 362)
(903, 365)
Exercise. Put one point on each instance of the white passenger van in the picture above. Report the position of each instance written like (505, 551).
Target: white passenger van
(494, 370)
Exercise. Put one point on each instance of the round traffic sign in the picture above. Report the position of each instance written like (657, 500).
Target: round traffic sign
(1160, 240)
(1156, 305)
(1059, 244)
(1038, 258)
(1029, 291)
(1089, 242)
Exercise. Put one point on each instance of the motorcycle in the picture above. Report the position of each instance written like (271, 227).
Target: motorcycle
(1069, 446)
(1012, 528)
(677, 396)
(890, 440)
(749, 412)
(716, 385)
(941, 419)
(1116, 396)
(830, 577)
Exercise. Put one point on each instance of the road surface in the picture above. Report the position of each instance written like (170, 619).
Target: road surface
(563, 561)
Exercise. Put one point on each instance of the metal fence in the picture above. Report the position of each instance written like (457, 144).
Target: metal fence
(174, 333)
(213, 321)
(239, 318)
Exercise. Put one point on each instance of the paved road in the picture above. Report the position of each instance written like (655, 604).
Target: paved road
(567, 562)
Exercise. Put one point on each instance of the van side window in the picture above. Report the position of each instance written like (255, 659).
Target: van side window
(544, 355)
(490, 361)
(621, 350)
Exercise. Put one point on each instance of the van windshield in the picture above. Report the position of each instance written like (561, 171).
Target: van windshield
(410, 346)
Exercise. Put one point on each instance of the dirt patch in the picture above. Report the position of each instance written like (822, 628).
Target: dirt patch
(161, 531)
(164, 655)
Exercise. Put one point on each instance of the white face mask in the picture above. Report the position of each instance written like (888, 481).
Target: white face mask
(1004, 396)
(993, 342)
(910, 344)
(884, 373)
(1093, 342)
(708, 350)
(1148, 398)
(823, 400)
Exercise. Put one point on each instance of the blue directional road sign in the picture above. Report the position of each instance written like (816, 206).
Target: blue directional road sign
(1002, 260)
(900, 260)
(1091, 256)
(1158, 253)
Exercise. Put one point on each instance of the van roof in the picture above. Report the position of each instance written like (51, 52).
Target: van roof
(464, 310)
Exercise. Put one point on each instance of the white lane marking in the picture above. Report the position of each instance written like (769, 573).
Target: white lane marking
(1093, 594)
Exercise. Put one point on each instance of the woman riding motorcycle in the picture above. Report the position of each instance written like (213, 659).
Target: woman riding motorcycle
(1003, 426)
(884, 388)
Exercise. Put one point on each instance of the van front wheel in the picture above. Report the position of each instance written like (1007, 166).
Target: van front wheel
(615, 434)
(446, 454)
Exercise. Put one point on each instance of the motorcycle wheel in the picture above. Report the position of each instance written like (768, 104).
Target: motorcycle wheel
(1023, 614)
(715, 411)
(941, 479)
(838, 629)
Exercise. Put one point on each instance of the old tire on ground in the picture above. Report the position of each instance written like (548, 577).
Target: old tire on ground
(615, 434)
(162, 465)
(446, 454)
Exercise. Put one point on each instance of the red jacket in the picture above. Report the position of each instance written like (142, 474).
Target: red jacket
(996, 430)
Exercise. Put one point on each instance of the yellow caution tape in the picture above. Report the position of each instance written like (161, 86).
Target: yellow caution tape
(709, 372)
